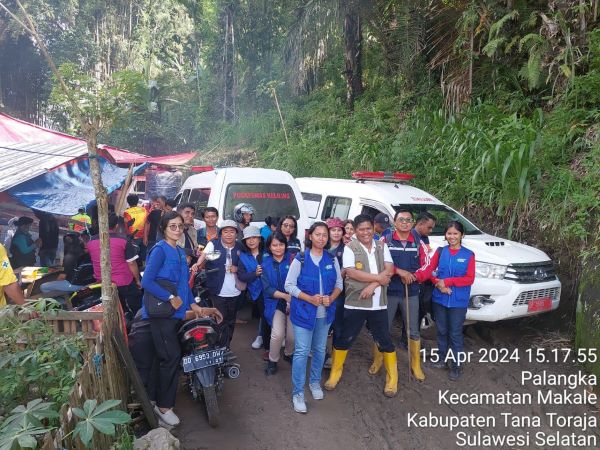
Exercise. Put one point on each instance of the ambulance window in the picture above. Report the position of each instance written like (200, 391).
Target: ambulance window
(312, 203)
(199, 197)
(369, 211)
(336, 207)
(268, 199)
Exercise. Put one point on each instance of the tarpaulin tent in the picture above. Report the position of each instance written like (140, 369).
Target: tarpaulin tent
(17, 131)
(48, 170)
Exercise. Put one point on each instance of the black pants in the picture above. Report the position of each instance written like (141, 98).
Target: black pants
(131, 297)
(228, 308)
(338, 321)
(141, 346)
(377, 322)
(168, 354)
(265, 328)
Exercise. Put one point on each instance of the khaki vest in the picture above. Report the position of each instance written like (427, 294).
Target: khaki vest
(361, 262)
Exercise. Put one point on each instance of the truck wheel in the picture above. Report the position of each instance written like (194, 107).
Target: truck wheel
(212, 407)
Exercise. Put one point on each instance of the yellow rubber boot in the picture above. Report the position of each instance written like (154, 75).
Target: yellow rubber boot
(391, 380)
(415, 359)
(377, 361)
(337, 366)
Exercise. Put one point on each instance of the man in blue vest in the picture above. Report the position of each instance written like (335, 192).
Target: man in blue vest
(409, 256)
(222, 284)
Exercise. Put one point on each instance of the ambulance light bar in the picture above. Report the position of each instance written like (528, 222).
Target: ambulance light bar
(395, 177)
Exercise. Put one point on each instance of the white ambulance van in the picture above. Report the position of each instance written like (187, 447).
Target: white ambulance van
(271, 192)
(512, 279)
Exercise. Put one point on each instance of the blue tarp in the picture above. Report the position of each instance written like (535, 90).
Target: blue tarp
(67, 188)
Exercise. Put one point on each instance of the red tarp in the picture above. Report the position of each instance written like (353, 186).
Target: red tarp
(17, 131)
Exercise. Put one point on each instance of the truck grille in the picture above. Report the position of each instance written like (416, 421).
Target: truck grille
(531, 272)
(524, 297)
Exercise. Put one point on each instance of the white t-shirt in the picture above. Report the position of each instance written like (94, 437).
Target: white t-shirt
(228, 289)
(349, 263)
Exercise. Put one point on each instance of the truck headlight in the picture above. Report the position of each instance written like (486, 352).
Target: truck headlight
(488, 270)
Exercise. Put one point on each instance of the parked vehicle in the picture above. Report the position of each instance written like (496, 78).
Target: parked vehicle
(512, 279)
(271, 192)
(204, 363)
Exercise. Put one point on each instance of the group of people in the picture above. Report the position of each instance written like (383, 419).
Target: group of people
(344, 275)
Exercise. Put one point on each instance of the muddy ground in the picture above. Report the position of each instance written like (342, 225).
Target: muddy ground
(256, 410)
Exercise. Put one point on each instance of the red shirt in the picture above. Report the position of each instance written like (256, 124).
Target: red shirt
(426, 273)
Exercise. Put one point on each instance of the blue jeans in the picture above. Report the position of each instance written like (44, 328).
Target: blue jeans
(59, 285)
(449, 323)
(314, 340)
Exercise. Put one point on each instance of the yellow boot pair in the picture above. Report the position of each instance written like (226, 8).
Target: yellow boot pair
(337, 366)
(415, 359)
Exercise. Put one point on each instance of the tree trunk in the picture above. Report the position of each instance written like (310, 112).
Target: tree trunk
(91, 137)
(228, 55)
(353, 55)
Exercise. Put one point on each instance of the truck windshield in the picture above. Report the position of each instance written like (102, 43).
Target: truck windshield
(275, 200)
(443, 215)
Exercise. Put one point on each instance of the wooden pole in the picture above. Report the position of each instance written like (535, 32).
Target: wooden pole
(280, 115)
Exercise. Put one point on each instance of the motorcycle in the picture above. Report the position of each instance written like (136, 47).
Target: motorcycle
(205, 364)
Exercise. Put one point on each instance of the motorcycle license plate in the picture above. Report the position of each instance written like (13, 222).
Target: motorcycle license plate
(202, 360)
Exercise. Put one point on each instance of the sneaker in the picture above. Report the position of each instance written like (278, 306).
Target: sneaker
(299, 405)
(169, 417)
(257, 343)
(454, 374)
(289, 358)
(316, 391)
(271, 368)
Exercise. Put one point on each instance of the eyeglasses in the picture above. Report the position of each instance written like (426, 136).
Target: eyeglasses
(404, 220)
(174, 227)
(288, 225)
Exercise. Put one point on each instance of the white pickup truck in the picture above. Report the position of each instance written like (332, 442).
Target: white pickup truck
(512, 279)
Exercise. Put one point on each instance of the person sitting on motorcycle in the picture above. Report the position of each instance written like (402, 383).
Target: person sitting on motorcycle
(243, 213)
(167, 262)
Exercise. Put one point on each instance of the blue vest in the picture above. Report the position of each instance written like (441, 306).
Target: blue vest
(453, 266)
(275, 273)
(214, 280)
(304, 314)
(406, 259)
(250, 263)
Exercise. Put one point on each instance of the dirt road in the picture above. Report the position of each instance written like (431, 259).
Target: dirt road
(256, 411)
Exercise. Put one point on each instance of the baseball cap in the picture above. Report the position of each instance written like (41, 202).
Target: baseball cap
(382, 219)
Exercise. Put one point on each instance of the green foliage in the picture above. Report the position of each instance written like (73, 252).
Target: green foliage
(94, 417)
(25, 423)
(35, 362)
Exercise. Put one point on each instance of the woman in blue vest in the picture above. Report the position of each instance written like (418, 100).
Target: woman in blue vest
(166, 263)
(249, 272)
(455, 266)
(314, 282)
(288, 226)
(275, 268)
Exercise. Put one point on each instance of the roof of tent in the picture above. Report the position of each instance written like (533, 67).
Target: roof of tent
(18, 131)
(23, 161)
